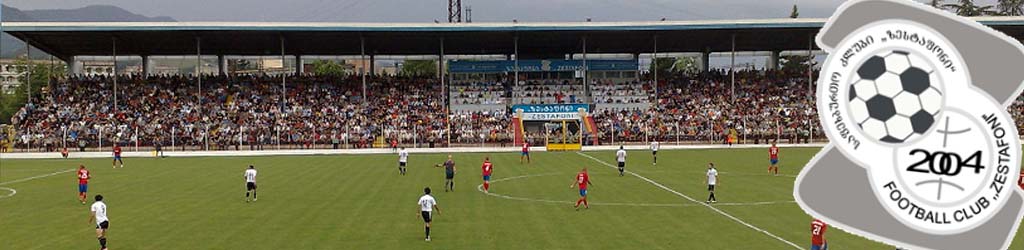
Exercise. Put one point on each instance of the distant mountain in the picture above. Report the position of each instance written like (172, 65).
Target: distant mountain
(92, 13)
(11, 46)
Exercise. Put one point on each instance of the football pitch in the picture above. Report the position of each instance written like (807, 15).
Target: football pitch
(361, 202)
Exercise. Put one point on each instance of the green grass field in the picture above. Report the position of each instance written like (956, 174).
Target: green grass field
(360, 202)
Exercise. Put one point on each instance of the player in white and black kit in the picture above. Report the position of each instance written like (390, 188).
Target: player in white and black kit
(250, 183)
(711, 180)
(426, 207)
(655, 145)
(99, 213)
(403, 158)
(620, 156)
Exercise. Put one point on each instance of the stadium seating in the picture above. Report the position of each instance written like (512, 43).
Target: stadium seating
(247, 112)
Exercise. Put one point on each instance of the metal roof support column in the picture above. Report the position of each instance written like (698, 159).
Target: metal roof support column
(810, 66)
(284, 78)
(732, 69)
(28, 67)
(199, 77)
(515, 82)
(221, 65)
(362, 58)
(586, 73)
(447, 95)
(654, 61)
(113, 45)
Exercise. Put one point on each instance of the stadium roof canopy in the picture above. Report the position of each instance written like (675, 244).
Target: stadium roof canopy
(536, 40)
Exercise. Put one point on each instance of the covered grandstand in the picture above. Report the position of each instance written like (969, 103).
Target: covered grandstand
(627, 107)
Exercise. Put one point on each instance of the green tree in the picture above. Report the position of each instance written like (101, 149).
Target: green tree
(1011, 7)
(795, 13)
(419, 68)
(662, 65)
(41, 72)
(797, 63)
(686, 65)
(969, 8)
(328, 68)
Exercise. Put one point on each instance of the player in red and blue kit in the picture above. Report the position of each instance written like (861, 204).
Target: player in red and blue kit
(117, 156)
(486, 168)
(526, 153)
(582, 180)
(83, 182)
(818, 242)
(773, 158)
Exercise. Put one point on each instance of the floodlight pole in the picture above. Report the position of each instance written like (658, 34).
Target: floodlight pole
(732, 68)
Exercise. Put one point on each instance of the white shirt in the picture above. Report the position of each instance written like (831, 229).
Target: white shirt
(427, 203)
(403, 156)
(250, 175)
(712, 176)
(655, 145)
(621, 155)
(100, 209)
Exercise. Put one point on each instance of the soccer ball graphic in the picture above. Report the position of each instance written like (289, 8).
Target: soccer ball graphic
(895, 96)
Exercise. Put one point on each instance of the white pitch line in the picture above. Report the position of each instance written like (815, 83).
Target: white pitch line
(36, 177)
(480, 188)
(719, 211)
(13, 192)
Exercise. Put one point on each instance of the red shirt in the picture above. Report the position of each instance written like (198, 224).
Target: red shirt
(818, 232)
(773, 152)
(582, 179)
(526, 147)
(117, 150)
(83, 176)
(486, 168)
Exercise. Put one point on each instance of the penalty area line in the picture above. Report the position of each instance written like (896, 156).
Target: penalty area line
(36, 177)
(719, 211)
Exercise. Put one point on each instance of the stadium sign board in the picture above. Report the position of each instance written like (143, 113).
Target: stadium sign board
(550, 112)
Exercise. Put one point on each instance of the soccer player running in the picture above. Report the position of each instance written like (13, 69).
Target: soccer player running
(99, 213)
(83, 183)
(773, 159)
(250, 183)
(655, 145)
(526, 153)
(486, 168)
(117, 156)
(582, 181)
(403, 158)
(620, 156)
(449, 174)
(711, 181)
(818, 242)
(427, 205)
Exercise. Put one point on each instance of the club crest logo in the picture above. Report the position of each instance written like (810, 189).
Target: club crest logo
(896, 98)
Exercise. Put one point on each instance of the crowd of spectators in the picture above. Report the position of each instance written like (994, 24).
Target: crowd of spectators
(231, 112)
(250, 112)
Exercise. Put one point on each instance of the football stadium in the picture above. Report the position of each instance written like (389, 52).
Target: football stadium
(529, 135)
